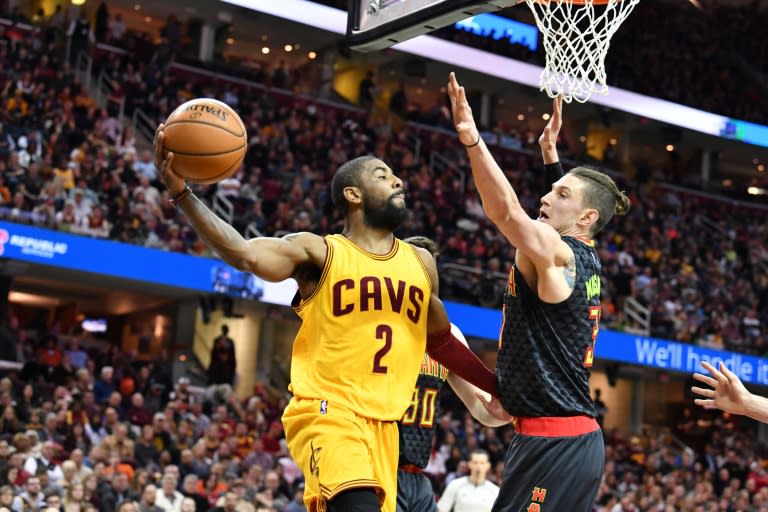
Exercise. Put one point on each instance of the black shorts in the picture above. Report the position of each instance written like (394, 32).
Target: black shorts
(552, 473)
(414, 493)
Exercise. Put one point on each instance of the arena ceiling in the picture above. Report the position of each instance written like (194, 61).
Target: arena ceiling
(251, 31)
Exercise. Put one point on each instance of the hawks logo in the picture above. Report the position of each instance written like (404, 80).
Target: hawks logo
(4, 237)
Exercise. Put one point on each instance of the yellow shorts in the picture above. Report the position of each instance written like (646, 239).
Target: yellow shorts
(337, 450)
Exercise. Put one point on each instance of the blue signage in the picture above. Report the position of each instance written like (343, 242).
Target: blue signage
(497, 27)
(744, 131)
(132, 262)
(37, 245)
(627, 348)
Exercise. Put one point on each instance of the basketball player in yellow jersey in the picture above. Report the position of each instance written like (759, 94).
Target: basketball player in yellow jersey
(368, 303)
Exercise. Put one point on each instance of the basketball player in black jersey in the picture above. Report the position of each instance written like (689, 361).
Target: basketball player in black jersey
(551, 317)
(417, 427)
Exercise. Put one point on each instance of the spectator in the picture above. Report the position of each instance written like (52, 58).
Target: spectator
(169, 499)
(31, 498)
(116, 493)
(148, 498)
(223, 366)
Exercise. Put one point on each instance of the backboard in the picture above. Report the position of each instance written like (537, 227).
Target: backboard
(378, 24)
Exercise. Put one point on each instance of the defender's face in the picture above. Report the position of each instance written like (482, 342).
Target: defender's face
(562, 207)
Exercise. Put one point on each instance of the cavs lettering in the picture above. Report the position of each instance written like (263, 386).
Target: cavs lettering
(363, 332)
(373, 293)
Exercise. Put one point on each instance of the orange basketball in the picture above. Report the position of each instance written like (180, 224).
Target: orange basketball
(207, 139)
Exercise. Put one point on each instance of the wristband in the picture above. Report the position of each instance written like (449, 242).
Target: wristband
(181, 195)
(472, 145)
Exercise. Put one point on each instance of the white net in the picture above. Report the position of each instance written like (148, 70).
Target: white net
(576, 38)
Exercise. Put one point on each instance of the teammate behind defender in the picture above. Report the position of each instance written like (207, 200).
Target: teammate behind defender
(551, 318)
(417, 427)
(367, 302)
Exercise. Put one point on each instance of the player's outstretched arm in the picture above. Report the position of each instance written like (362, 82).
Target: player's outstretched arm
(442, 345)
(548, 138)
(500, 202)
(475, 399)
(272, 259)
(726, 392)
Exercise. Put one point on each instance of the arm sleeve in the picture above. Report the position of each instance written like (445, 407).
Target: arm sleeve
(554, 172)
(447, 350)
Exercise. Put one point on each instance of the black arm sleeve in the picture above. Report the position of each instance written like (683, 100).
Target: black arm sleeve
(554, 172)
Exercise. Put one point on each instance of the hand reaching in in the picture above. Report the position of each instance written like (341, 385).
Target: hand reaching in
(493, 407)
(549, 136)
(727, 393)
(462, 113)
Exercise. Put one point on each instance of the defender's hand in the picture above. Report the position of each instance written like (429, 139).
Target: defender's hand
(462, 113)
(164, 163)
(548, 138)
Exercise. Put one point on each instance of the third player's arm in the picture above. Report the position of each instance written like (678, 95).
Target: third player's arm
(471, 395)
(442, 345)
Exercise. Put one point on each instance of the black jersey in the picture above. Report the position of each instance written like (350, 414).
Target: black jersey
(417, 428)
(546, 349)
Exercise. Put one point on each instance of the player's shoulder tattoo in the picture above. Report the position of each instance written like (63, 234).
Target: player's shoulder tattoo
(569, 272)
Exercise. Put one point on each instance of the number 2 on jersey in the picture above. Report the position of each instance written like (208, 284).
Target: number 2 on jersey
(594, 314)
(427, 400)
(383, 332)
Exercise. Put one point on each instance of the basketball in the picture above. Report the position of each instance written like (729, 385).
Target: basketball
(207, 139)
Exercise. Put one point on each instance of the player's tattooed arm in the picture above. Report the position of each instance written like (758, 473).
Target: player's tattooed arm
(569, 272)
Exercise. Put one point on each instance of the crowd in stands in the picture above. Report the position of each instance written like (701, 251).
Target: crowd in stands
(66, 163)
(86, 429)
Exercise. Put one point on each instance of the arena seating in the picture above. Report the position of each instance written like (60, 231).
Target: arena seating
(67, 164)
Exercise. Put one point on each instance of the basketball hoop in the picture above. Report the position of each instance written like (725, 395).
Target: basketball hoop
(577, 34)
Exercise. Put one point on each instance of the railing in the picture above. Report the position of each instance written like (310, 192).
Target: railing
(143, 125)
(84, 68)
(640, 314)
(711, 225)
(104, 92)
(223, 207)
(251, 231)
(415, 142)
(440, 164)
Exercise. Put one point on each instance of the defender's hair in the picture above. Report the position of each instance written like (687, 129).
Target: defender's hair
(602, 194)
(347, 175)
(424, 243)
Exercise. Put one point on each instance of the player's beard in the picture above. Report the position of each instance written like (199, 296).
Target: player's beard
(387, 215)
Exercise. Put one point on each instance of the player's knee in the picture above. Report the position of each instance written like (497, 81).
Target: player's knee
(355, 500)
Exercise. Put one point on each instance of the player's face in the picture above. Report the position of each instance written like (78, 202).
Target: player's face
(562, 207)
(383, 197)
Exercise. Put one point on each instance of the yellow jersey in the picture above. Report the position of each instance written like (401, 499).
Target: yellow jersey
(364, 330)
